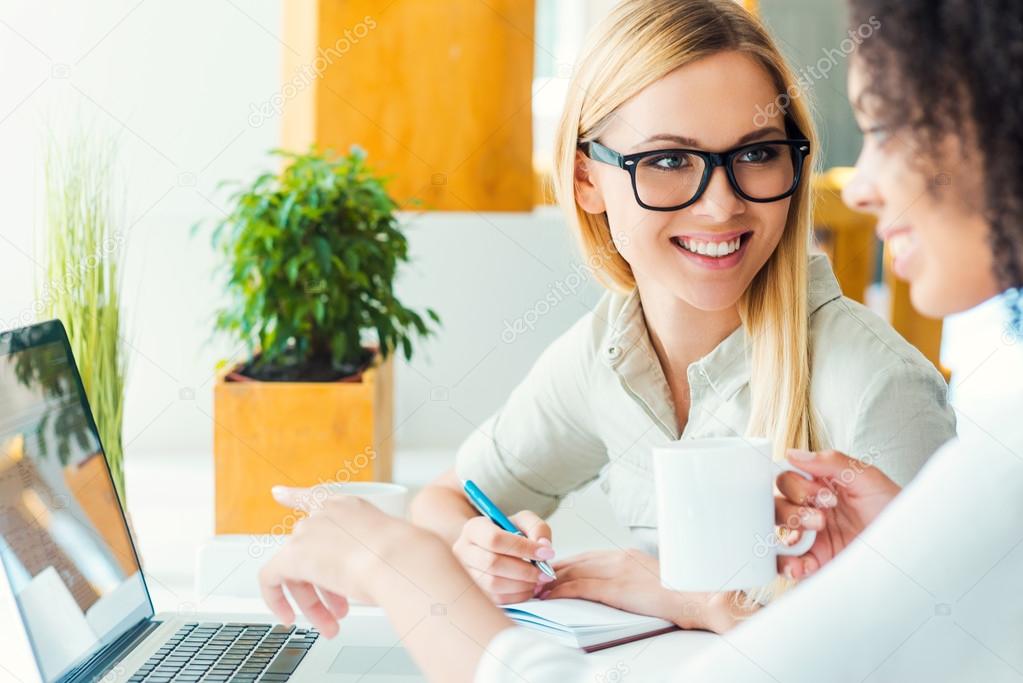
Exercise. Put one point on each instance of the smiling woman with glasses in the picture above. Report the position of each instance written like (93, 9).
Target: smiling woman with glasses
(693, 207)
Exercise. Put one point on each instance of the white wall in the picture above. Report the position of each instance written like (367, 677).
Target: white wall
(175, 81)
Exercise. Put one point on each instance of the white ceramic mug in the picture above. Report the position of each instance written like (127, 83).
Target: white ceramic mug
(715, 514)
(391, 498)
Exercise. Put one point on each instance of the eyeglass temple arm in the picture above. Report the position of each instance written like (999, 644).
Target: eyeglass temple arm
(599, 152)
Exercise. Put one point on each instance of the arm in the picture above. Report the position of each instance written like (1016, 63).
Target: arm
(442, 507)
(903, 418)
(349, 547)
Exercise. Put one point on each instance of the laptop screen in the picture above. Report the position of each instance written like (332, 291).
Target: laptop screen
(64, 544)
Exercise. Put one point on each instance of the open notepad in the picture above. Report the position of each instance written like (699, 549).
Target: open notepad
(588, 625)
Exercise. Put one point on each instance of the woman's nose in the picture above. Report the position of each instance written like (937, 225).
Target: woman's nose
(860, 192)
(719, 200)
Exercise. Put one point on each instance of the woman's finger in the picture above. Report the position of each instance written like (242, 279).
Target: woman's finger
(509, 598)
(802, 491)
(586, 589)
(484, 533)
(844, 471)
(271, 588)
(487, 562)
(337, 604)
(498, 585)
(790, 567)
(795, 517)
(532, 525)
(308, 602)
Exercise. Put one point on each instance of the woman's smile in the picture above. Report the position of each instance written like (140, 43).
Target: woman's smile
(717, 252)
(902, 244)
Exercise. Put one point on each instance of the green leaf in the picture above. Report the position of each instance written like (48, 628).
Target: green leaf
(310, 258)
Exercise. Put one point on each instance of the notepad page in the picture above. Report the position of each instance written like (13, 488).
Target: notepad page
(576, 614)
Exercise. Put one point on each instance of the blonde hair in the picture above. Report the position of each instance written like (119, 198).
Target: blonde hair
(638, 43)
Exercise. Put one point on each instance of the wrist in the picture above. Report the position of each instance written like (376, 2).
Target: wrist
(409, 561)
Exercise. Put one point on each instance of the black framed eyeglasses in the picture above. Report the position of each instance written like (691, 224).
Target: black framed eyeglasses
(672, 179)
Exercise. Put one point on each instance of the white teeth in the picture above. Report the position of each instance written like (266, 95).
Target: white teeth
(900, 244)
(713, 249)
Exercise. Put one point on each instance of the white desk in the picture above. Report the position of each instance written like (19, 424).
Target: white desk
(226, 576)
(634, 661)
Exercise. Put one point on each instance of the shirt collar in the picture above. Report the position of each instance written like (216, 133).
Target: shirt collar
(727, 367)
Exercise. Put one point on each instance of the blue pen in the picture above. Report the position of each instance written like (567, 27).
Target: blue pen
(494, 514)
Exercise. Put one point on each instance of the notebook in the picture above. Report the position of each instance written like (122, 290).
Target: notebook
(590, 626)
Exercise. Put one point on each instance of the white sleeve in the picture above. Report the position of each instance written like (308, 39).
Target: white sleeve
(518, 655)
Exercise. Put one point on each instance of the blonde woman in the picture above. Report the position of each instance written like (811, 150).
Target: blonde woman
(684, 168)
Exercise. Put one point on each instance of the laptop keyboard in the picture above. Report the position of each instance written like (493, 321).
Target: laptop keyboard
(228, 652)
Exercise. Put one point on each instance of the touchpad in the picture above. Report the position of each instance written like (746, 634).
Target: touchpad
(367, 659)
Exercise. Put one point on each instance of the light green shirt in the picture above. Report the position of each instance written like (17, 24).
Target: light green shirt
(596, 402)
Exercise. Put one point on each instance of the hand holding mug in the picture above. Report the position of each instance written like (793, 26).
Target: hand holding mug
(843, 496)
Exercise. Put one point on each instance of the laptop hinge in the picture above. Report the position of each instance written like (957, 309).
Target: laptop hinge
(103, 661)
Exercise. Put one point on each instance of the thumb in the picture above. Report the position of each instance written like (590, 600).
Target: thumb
(300, 498)
(836, 467)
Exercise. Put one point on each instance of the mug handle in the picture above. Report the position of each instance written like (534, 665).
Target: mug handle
(808, 536)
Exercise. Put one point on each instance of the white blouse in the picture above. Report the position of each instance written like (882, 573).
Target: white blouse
(596, 403)
(931, 591)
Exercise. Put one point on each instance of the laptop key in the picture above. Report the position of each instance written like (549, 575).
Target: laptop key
(287, 661)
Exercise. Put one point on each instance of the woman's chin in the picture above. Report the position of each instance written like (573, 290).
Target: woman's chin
(934, 298)
(712, 300)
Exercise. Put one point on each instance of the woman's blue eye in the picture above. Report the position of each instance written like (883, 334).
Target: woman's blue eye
(666, 162)
(758, 155)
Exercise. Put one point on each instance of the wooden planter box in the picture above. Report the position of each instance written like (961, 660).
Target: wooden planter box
(296, 434)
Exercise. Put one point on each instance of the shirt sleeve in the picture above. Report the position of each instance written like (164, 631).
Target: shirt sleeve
(518, 655)
(904, 417)
(927, 592)
(541, 444)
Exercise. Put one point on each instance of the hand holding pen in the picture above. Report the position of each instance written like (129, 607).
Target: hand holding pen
(506, 555)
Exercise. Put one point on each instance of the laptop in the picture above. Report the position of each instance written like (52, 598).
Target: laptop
(74, 604)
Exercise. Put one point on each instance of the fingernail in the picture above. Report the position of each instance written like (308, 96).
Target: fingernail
(826, 499)
(787, 572)
(798, 454)
(544, 541)
(544, 578)
(545, 553)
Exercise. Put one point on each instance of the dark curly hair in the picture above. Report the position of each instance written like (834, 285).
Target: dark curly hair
(936, 67)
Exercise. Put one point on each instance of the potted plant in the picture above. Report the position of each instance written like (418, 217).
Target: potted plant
(311, 255)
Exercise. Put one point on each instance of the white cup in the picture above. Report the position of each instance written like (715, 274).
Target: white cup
(391, 498)
(715, 514)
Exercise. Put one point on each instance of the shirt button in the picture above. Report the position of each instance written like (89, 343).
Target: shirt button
(614, 352)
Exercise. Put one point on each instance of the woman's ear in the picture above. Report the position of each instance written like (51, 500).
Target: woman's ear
(587, 192)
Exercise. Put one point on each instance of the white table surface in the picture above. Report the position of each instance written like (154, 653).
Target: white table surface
(189, 570)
